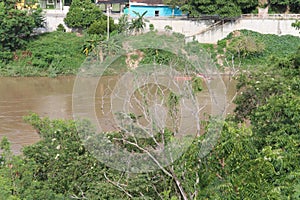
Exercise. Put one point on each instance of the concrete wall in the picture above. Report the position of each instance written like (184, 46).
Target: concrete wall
(265, 26)
(56, 17)
(193, 29)
(183, 26)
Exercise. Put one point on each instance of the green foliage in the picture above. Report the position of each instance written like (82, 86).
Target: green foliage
(82, 14)
(158, 56)
(257, 49)
(222, 8)
(49, 54)
(281, 6)
(16, 27)
(282, 77)
(234, 8)
(296, 24)
(5, 145)
(60, 167)
(245, 46)
(123, 24)
(278, 117)
(61, 28)
(168, 28)
(151, 27)
(297, 59)
(137, 24)
(173, 102)
(65, 166)
(99, 27)
(174, 3)
(259, 160)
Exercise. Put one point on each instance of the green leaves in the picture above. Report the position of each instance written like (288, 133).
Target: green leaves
(220, 8)
(296, 24)
(82, 14)
(16, 26)
(245, 46)
(48, 54)
(138, 24)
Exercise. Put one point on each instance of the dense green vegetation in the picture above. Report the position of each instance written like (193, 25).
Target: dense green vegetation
(16, 27)
(249, 49)
(233, 8)
(82, 14)
(281, 6)
(296, 24)
(223, 9)
(256, 156)
(49, 54)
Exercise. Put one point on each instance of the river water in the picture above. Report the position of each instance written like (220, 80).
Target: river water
(48, 97)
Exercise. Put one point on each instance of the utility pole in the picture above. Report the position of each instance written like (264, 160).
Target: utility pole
(108, 8)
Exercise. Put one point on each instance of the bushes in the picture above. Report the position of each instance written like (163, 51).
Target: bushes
(61, 28)
(49, 54)
(255, 48)
(16, 27)
(246, 46)
(82, 14)
(99, 27)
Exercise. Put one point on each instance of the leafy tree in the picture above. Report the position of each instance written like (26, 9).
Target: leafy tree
(284, 5)
(221, 8)
(123, 24)
(138, 24)
(16, 27)
(82, 14)
(99, 27)
(244, 46)
(281, 77)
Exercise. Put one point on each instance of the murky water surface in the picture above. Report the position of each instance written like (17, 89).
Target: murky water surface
(48, 97)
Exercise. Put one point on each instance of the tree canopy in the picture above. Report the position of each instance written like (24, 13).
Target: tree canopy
(16, 27)
(83, 14)
(221, 8)
(282, 6)
(233, 8)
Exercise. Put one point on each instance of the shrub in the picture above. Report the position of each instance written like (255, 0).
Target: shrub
(245, 46)
(99, 27)
(61, 28)
(151, 27)
(49, 54)
(82, 14)
(168, 28)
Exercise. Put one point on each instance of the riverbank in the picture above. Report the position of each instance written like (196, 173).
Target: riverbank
(48, 54)
(60, 54)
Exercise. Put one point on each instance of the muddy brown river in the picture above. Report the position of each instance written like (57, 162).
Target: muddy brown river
(48, 97)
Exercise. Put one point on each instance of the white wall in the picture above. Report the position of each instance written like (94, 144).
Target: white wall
(54, 18)
(183, 26)
(265, 26)
(192, 29)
